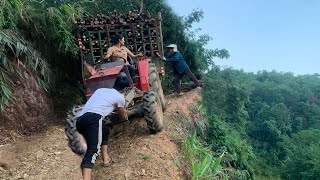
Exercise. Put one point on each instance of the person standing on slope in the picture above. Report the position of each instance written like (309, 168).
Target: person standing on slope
(89, 124)
(180, 68)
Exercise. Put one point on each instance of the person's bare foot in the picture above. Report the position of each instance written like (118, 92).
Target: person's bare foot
(107, 160)
(107, 163)
(105, 156)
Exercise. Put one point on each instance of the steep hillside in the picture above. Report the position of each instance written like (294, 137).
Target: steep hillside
(30, 111)
(136, 153)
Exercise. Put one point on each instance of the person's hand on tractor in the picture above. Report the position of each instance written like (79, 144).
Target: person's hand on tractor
(122, 113)
(138, 55)
(161, 57)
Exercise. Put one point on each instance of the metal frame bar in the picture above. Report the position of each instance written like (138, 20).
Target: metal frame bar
(142, 39)
(151, 44)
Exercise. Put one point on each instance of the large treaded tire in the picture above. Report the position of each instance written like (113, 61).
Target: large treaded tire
(153, 113)
(155, 84)
(76, 141)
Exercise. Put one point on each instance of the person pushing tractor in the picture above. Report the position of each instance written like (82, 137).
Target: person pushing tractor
(89, 124)
(180, 68)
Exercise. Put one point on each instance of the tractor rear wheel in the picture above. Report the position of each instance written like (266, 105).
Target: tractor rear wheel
(76, 141)
(155, 84)
(153, 113)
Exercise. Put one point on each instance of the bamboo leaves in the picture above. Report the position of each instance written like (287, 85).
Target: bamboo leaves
(49, 28)
(5, 92)
(10, 9)
(24, 55)
(60, 20)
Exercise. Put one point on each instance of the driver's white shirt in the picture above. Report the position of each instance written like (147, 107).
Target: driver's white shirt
(103, 101)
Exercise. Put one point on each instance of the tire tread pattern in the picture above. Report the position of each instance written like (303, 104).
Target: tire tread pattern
(76, 141)
(153, 119)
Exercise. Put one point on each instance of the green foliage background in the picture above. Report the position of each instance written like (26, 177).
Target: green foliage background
(268, 122)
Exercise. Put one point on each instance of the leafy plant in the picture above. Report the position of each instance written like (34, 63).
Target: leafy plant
(49, 28)
(5, 92)
(203, 164)
(23, 55)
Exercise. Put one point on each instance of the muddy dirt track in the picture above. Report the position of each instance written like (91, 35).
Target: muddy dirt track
(136, 153)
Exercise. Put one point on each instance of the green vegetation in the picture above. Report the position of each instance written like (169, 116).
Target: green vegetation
(202, 162)
(38, 39)
(268, 122)
(204, 165)
(262, 125)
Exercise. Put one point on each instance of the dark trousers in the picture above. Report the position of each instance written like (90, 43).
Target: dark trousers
(178, 77)
(96, 134)
(132, 71)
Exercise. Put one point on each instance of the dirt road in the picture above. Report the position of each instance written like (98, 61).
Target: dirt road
(136, 153)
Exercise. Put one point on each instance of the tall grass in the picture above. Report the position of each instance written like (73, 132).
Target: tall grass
(204, 165)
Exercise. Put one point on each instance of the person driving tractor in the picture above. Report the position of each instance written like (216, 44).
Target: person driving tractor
(180, 68)
(89, 124)
(118, 52)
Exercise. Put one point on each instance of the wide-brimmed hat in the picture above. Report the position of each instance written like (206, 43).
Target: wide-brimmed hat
(175, 48)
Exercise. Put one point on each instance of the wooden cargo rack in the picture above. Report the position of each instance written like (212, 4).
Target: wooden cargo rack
(141, 35)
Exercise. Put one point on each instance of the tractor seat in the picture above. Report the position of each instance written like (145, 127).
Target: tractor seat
(111, 64)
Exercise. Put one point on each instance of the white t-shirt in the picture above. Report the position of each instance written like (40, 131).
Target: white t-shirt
(103, 101)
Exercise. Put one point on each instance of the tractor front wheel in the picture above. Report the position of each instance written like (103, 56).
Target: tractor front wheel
(153, 113)
(155, 84)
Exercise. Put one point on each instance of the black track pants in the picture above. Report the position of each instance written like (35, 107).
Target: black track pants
(96, 134)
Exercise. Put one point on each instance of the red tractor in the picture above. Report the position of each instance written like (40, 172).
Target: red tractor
(143, 34)
(145, 96)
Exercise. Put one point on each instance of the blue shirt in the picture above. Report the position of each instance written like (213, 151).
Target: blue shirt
(178, 61)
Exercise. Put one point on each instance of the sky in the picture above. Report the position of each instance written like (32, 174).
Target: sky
(281, 35)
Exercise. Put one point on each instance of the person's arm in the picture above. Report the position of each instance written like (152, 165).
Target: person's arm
(121, 110)
(161, 57)
(109, 53)
(174, 58)
(122, 113)
(132, 55)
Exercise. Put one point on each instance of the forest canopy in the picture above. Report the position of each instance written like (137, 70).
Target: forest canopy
(268, 121)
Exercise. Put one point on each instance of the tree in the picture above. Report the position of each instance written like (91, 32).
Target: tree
(303, 155)
(282, 111)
